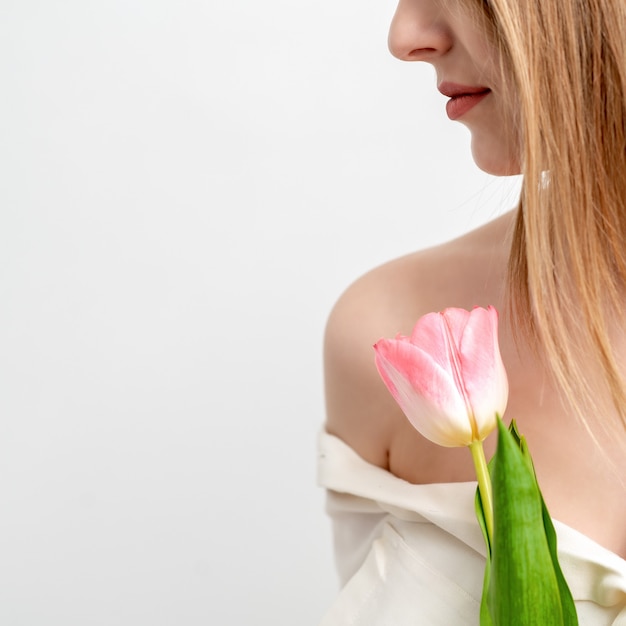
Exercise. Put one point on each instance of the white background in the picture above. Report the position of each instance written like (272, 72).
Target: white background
(186, 187)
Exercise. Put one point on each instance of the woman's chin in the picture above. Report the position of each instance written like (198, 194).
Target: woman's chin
(494, 161)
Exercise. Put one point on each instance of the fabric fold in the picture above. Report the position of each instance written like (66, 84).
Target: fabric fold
(407, 551)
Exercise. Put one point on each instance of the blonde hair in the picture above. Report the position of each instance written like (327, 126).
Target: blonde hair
(567, 271)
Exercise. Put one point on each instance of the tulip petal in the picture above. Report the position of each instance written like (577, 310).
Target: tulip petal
(484, 375)
(425, 392)
(429, 334)
(457, 320)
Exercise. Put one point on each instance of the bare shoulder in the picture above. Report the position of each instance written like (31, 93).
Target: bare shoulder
(388, 300)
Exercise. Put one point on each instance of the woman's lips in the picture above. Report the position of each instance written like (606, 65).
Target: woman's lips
(462, 98)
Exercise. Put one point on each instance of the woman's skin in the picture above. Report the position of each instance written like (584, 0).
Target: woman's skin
(580, 479)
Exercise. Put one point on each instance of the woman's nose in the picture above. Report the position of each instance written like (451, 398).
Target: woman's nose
(419, 31)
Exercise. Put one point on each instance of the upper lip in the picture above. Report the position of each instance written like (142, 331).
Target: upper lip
(453, 90)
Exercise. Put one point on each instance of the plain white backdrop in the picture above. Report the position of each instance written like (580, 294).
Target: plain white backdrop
(186, 187)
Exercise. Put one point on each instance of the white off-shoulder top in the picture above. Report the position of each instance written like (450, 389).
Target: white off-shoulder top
(412, 555)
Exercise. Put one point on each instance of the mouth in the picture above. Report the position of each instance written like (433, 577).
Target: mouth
(462, 98)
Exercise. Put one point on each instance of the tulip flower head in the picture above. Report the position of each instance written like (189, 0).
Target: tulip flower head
(448, 376)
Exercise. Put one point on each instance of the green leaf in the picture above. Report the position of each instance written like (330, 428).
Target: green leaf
(524, 587)
(567, 601)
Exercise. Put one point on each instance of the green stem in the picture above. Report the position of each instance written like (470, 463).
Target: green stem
(484, 483)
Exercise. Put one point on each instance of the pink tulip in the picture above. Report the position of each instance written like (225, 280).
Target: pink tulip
(448, 376)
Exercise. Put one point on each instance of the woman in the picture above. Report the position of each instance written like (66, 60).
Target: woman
(541, 85)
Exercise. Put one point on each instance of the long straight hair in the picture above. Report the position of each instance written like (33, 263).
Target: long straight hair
(567, 270)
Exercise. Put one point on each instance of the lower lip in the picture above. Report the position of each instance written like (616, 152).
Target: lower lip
(460, 105)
